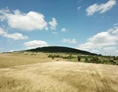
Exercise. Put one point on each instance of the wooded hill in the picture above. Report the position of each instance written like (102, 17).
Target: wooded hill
(55, 49)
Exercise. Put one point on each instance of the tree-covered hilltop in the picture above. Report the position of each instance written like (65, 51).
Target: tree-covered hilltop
(61, 49)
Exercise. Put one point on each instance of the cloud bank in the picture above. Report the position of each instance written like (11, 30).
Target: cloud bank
(102, 8)
(14, 36)
(23, 21)
(35, 44)
(99, 42)
(71, 41)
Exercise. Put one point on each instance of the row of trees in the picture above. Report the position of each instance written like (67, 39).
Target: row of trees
(89, 59)
(96, 59)
(59, 56)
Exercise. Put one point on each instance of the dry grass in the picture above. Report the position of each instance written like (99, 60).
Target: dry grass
(59, 77)
(14, 59)
(34, 73)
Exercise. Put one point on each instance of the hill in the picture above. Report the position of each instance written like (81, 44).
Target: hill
(54, 49)
(60, 76)
(36, 72)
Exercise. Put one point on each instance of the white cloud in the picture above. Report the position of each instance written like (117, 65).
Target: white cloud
(100, 8)
(71, 41)
(29, 21)
(79, 7)
(3, 12)
(95, 51)
(11, 51)
(106, 51)
(54, 32)
(2, 18)
(53, 24)
(63, 30)
(109, 48)
(109, 51)
(2, 32)
(115, 31)
(79, 1)
(46, 28)
(101, 40)
(35, 44)
(14, 36)
(24, 21)
(116, 24)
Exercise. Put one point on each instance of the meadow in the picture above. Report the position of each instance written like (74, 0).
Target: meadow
(37, 72)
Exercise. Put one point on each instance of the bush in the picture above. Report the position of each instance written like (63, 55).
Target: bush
(112, 62)
(49, 55)
(58, 56)
(86, 59)
(115, 58)
(52, 57)
(95, 60)
(79, 58)
(105, 61)
(109, 62)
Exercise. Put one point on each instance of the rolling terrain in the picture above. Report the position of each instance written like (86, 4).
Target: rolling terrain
(35, 72)
(60, 49)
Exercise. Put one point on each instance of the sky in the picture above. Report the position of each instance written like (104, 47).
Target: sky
(90, 25)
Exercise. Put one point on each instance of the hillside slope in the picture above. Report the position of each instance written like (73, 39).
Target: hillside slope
(59, 76)
(60, 49)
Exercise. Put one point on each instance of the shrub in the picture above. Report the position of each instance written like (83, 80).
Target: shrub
(112, 62)
(95, 60)
(52, 57)
(78, 58)
(115, 58)
(105, 61)
(86, 59)
(49, 55)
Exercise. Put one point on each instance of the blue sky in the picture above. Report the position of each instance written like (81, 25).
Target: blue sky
(90, 25)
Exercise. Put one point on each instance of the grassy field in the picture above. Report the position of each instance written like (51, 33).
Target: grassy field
(19, 58)
(27, 72)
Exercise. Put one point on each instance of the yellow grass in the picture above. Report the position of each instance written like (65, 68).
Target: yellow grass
(58, 76)
(17, 58)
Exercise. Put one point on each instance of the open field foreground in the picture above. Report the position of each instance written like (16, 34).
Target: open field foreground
(59, 76)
